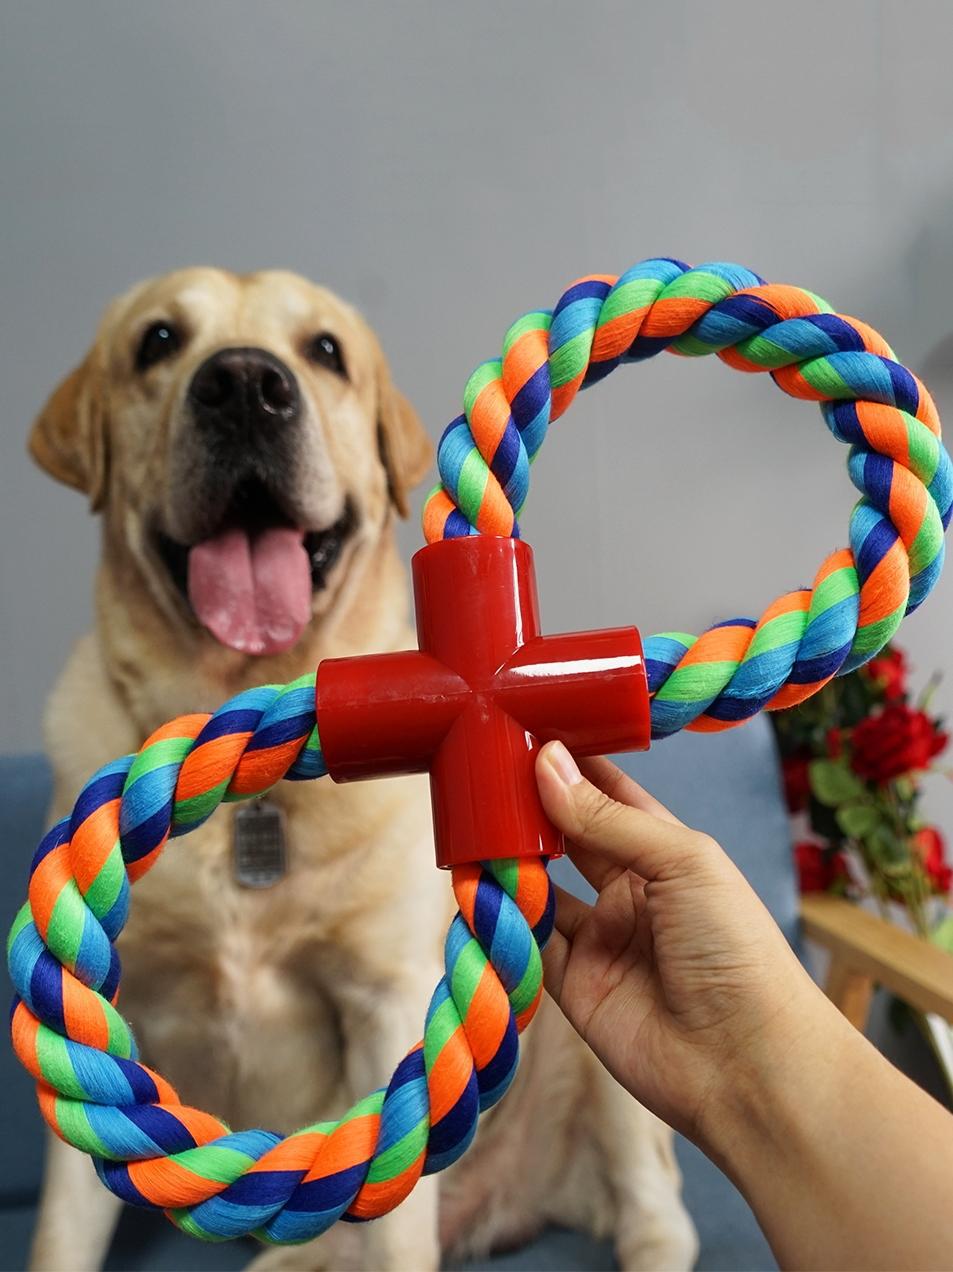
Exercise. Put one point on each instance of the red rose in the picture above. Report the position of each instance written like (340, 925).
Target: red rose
(797, 786)
(889, 672)
(818, 868)
(929, 844)
(897, 740)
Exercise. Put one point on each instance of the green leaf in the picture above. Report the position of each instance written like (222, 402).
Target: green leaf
(833, 783)
(942, 934)
(892, 852)
(858, 820)
(905, 787)
(823, 822)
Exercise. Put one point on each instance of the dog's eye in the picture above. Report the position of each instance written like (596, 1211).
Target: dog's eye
(160, 341)
(324, 351)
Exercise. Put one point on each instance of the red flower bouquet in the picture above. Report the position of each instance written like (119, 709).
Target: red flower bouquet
(931, 846)
(897, 740)
(852, 757)
(889, 672)
(820, 868)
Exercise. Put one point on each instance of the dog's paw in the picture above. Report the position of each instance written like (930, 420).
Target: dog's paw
(674, 1250)
(313, 1256)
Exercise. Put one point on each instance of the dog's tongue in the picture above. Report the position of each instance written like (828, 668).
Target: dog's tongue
(253, 594)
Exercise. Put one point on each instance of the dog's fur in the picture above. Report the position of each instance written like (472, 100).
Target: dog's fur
(277, 1007)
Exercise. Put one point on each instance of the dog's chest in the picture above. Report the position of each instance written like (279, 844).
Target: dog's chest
(226, 984)
(241, 994)
(251, 901)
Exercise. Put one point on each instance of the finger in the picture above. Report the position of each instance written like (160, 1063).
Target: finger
(555, 961)
(570, 912)
(629, 837)
(595, 867)
(612, 781)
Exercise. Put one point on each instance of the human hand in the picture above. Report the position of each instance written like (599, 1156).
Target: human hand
(680, 981)
(677, 976)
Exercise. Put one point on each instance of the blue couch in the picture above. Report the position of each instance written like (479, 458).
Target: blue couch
(727, 784)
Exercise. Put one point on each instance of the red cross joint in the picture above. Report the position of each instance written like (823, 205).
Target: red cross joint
(473, 704)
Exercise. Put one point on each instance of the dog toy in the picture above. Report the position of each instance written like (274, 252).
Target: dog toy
(471, 706)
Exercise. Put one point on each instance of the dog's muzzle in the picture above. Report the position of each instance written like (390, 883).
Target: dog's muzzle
(248, 555)
(238, 391)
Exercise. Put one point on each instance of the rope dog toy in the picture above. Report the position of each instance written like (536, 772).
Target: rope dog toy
(867, 398)
(470, 706)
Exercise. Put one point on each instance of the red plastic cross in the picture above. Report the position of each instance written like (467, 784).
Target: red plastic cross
(473, 704)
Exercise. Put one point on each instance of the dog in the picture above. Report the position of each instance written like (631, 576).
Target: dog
(246, 449)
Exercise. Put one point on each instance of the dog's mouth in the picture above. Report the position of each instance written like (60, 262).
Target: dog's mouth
(251, 582)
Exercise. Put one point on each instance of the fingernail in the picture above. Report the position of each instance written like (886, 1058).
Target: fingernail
(563, 764)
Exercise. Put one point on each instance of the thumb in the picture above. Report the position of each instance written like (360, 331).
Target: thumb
(629, 837)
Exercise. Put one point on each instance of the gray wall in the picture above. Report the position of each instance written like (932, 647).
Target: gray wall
(448, 167)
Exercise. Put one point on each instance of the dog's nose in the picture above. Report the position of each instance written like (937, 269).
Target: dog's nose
(251, 386)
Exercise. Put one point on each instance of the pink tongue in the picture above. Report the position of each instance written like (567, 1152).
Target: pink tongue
(253, 595)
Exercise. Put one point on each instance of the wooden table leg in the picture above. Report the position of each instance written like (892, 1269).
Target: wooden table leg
(850, 991)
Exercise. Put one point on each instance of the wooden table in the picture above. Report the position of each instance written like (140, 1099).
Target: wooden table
(867, 950)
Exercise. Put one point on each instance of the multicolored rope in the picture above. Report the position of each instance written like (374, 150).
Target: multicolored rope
(149, 1148)
(868, 400)
(152, 1150)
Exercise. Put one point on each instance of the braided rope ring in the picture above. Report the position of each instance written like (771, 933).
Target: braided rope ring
(149, 1148)
(152, 1150)
(868, 400)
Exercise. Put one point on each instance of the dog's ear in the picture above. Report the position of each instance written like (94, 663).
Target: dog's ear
(406, 450)
(68, 438)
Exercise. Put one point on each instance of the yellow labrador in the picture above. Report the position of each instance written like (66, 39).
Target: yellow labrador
(246, 448)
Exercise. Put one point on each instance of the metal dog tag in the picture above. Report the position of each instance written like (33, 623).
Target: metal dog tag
(260, 855)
